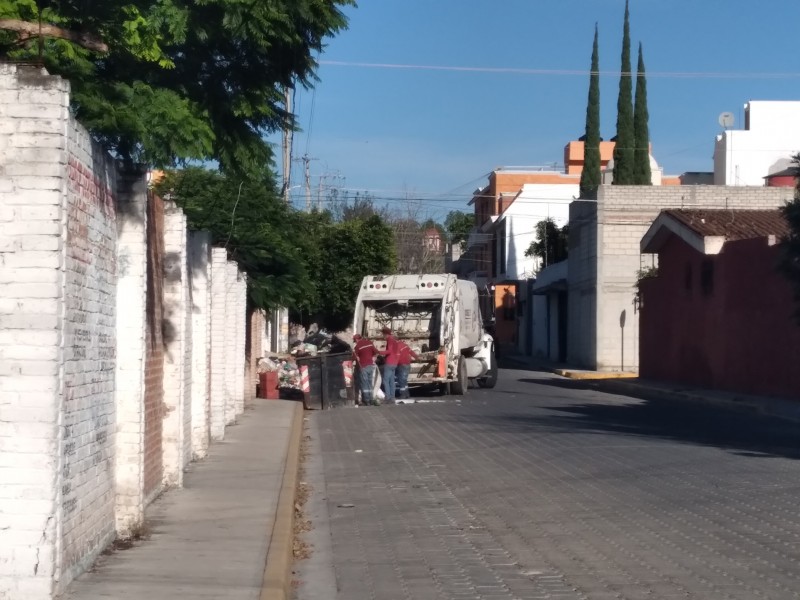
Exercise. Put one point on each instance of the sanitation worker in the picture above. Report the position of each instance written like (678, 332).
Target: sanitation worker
(364, 353)
(403, 369)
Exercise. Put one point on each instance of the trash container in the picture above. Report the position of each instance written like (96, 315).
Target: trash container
(312, 396)
(327, 385)
(337, 390)
(268, 385)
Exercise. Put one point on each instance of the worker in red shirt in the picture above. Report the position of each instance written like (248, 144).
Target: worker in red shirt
(390, 354)
(364, 353)
(403, 369)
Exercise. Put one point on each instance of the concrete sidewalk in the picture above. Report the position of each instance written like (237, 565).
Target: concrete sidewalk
(228, 533)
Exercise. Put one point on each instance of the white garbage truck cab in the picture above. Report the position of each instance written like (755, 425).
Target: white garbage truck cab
(435, 314)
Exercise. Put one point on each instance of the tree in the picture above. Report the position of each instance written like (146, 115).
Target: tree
(623, 150)
(360, 206)
(551, 244)
(458, 226)
(590, 175)
(165, 81)
(790, 259)
(641, 131)
(350, 250)
(259, 230)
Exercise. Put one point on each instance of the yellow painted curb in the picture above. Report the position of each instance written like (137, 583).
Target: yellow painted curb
(280, 554)
(595, 374)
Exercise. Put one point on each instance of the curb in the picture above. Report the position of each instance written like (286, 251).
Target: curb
(591, 375)
(277, 580)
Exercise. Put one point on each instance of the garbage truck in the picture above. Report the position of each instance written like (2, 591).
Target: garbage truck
(439, 317)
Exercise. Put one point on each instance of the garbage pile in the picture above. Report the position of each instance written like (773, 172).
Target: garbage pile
(288, 373)
(316, 340)
(302, 343)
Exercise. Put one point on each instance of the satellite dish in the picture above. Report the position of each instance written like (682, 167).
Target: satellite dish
(726, 120)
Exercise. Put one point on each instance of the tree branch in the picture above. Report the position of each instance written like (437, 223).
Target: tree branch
(28, 29)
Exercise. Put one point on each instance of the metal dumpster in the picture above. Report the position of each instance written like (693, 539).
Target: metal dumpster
(327, 385)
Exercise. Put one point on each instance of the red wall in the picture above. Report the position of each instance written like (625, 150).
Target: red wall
(738, 335)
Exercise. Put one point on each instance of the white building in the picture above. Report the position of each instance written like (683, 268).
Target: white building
(771, 136)
(516, 227)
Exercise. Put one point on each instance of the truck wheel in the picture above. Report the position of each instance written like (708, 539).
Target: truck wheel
(461, 384)
(490, 380)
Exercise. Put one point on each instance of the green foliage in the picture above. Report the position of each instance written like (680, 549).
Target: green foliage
(624, 149)
(641, 130)
(645, 273)
(458, 226)
(590, 175)
(202, 78)
(551, 244)
(350, 250)
(257, 228)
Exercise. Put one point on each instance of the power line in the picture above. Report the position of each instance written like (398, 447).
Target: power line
(578, 72)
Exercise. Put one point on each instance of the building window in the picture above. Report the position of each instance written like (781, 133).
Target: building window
(707, 277)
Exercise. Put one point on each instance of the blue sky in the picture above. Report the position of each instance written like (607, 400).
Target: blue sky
(435, 134)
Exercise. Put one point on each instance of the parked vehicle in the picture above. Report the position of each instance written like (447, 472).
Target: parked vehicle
(439, 317)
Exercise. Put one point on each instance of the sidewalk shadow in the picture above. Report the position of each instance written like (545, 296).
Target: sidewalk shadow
(743, 433)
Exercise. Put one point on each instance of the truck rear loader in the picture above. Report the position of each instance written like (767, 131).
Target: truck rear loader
(439, 317)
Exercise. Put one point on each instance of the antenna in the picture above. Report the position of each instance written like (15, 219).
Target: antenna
(726, 120)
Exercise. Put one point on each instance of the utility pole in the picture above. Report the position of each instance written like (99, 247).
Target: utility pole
(307, 160)
(288, 135)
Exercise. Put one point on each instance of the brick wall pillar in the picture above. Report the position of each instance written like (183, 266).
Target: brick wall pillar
(219, 278)
(241, 335)
(131, 349)
(200, 268)
(177, 347)
(33, 121)
(231, 362)
(254, 339)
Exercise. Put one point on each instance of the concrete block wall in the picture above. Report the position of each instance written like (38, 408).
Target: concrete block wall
(219, 299)
(131, 350)
(582, 278)
(200, 262)
(177, 345)
(602, 283)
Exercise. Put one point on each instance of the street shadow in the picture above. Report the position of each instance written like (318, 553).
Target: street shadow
(744, 433)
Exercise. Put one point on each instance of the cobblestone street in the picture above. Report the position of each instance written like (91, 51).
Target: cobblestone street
(542, 488)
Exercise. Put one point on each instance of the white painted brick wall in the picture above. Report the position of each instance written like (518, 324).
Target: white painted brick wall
(131, 349)
(240, 357)
(176, 443)
(231, 316)
(219, 298)
(200, 267)
(30, 341)
(57, 342)
(89, 409)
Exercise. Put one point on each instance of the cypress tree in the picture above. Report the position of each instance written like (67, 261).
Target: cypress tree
(623, 151)
(641, 131)
(590, 176)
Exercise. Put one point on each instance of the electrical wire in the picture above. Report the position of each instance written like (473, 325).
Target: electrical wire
(578, 72)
